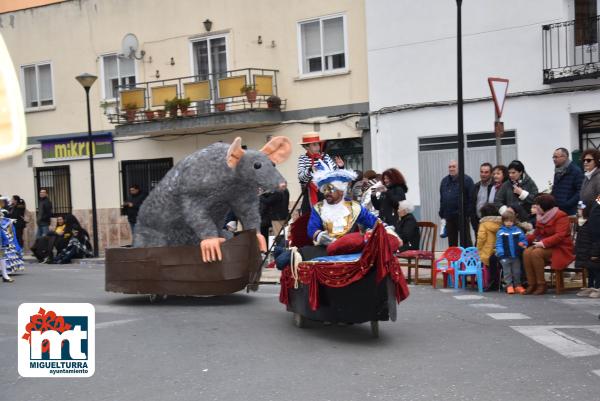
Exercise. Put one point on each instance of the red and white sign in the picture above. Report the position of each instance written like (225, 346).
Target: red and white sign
(499, 88)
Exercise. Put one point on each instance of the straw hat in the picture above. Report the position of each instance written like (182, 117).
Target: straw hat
(310, 137)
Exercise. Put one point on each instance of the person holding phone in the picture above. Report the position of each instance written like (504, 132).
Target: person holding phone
(518, 192)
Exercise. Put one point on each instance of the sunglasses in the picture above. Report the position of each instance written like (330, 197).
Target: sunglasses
(588, 160)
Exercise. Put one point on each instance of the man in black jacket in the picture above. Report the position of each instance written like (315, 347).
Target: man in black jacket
(450, 203)
(481, 194)
(132, 206)
(44, 214)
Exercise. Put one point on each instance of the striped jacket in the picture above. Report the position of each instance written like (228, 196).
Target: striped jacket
(305, 167)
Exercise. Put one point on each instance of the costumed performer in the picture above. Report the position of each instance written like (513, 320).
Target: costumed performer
(333, 218)
(307, 166)
(11, 258)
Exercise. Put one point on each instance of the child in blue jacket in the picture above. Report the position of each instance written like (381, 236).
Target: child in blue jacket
(510, 242)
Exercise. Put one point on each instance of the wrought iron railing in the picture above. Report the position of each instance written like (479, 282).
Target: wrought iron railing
(570, 50)
(206, 94)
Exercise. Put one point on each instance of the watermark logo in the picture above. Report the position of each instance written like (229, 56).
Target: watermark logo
(56, 340)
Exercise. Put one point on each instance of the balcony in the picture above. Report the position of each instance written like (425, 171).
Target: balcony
(570, 50)
(231, 99)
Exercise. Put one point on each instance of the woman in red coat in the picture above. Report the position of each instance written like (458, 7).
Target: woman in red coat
(552, 243)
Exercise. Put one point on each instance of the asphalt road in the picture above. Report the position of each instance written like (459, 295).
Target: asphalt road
(245, 347)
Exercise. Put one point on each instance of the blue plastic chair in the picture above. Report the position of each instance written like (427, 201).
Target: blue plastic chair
(469, 265)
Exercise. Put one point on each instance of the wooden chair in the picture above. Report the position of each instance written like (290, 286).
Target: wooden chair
(426, 253)
(557, 280)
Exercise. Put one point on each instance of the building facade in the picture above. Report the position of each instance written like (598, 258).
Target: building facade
(311, 55)
(548, 49)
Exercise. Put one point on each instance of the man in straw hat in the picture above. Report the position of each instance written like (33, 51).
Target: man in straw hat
(306, 167)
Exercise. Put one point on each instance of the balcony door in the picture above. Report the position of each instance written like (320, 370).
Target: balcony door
(210, 62)
(586, 31)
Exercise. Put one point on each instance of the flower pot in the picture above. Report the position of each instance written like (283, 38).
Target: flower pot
(149, 115)
(189, 113)
(251, 96)
(184, 110)
(274, 102)
(220, 106)
(130, 115)
(160, 114)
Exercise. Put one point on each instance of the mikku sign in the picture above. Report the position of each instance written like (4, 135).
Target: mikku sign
(77, 148)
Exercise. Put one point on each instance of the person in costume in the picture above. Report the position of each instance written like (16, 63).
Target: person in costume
(334, 217)
(11, 255)
(307, 166)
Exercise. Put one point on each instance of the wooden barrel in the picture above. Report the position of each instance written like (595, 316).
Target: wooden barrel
(179, 270)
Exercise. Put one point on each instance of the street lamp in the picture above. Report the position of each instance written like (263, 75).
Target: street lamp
(87, 80)
(462, 226)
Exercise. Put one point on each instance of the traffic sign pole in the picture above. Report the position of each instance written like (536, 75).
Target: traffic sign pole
(499, 88)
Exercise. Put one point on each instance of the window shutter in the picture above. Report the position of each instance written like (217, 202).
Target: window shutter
(110, 72)
(333, 36)
(311, 42)
(45, 76)
(126, 67)
(30, 86)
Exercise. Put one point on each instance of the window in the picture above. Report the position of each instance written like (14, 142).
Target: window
(37, 81)
(145, 173)
(117, 71)
(586, 22)
(323, 45)
(210, 63)
(57, 180)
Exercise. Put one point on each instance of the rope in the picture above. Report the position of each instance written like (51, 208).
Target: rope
(295, 259)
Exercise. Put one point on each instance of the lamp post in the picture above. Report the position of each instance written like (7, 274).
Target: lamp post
(87, 80)
(462, 226)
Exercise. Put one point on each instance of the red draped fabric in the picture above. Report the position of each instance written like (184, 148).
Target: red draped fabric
(377, 253)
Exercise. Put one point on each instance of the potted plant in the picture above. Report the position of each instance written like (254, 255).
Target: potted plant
(105, 105)
(161, 113)
(183, 105)
(130, 110)
(149, 114)
(274, 102)
(250, 91)
(220, 105)
(171, 106)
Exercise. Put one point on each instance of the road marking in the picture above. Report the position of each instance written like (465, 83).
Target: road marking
(448, 290)
(579, 301)
(65, 270)
(596, 372)
(491, 306)
(468, 297)
(115, 323)
(264, 295)
(554, 338)
(116, 309)
(587, 305)
(508, 316)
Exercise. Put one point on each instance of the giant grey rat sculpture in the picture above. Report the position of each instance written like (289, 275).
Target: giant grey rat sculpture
(190, 203)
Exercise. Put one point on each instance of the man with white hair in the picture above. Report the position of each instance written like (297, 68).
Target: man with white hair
(450, 204)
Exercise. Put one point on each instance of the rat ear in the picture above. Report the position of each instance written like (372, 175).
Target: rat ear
(235, 153)
(278, 149)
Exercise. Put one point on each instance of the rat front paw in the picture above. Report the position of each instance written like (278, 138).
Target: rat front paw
(211, 249)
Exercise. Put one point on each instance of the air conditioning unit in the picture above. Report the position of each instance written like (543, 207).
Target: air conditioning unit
(363, 123)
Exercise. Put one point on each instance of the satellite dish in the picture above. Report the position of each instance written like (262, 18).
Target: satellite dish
(130, 45)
